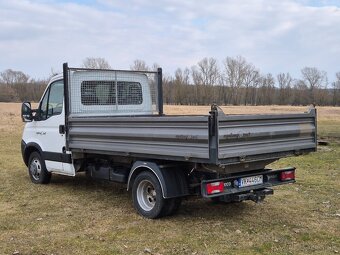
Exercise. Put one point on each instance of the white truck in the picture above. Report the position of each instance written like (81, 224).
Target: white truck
(110, 124)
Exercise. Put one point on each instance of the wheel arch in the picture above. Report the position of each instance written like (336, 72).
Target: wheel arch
(27, 149)
(173, 181)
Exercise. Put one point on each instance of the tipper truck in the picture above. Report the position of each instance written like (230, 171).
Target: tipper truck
(110, 124)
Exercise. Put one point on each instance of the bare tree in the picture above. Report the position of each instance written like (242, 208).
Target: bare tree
(300, 97)
(266, 90)
(196, 76)
(168, 90)
(181, 83)
(251, 80)
(8, 94)
(205, 73)
(16, 83)
(96, 63)
(285, 86)
(314, 80)
(11, 77)
(240, 76)
(208, 70)
(17, 86)
(140, 65)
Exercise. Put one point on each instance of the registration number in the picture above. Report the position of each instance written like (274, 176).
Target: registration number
(250, 181)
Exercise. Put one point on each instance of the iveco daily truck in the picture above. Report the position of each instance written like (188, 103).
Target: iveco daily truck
(110, 124)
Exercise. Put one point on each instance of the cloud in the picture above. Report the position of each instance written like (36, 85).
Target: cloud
(274, 35)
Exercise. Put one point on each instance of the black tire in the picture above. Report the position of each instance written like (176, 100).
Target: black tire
(147, 195)
(37, 169)
(171, 206)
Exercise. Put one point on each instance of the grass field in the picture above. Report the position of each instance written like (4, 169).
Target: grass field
(76, 216)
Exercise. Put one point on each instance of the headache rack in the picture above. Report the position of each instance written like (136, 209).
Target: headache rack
(79, 81)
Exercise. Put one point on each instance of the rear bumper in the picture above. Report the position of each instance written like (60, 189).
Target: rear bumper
(270, 178)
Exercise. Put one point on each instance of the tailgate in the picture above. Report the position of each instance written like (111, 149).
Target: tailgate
(253, 137)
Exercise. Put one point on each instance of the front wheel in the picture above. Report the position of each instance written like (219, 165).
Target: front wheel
(147, 195)
(37, 169)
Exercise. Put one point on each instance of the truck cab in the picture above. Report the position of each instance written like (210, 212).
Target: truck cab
(43, 132)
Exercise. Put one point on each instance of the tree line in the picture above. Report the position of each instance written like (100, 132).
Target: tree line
(238, 82)
(233, 82)
(16, 86)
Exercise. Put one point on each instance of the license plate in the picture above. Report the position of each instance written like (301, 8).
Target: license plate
(250, 181)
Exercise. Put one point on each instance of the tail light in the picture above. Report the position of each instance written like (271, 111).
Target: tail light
(287, 175)
(215, 187)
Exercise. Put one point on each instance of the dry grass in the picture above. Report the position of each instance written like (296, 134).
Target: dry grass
(75, 216)
(324, 112)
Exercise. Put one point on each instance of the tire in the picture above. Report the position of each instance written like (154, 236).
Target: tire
(37, 169)
(147, 195)
(171, 206)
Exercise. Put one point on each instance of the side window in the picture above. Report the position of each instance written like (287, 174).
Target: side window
(55, 101)
(52, 102)
(43, 106)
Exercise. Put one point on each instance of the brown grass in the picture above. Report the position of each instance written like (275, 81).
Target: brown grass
(324, 112)
(75, 216)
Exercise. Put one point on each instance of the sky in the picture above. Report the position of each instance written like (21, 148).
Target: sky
(276, 36)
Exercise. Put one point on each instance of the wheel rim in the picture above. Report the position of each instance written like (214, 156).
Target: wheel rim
(35, 169)
(146, 195)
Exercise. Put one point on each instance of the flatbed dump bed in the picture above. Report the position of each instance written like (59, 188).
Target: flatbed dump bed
(215, 139)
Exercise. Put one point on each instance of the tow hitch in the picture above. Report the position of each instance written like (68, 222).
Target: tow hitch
(257, 195)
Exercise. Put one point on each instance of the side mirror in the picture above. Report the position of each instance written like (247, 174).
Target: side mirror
(26, 112)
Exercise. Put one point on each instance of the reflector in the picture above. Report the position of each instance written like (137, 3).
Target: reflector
(215, 187)
(287, 175)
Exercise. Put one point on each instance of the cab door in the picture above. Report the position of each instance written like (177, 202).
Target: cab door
(50, 118)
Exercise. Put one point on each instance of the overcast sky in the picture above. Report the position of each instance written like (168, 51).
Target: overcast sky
(276, 36)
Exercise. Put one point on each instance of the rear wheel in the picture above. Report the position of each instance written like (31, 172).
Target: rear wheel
(147, 195)
(37, 169)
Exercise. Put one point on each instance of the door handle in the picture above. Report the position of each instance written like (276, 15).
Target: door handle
(61, 129)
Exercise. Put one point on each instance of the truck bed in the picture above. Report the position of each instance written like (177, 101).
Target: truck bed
(215, 138)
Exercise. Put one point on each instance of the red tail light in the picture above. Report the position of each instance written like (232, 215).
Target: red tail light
(287, 175)
(215, 187)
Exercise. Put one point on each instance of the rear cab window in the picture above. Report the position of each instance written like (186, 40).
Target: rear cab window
(104, 93)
